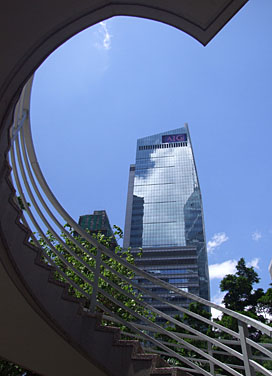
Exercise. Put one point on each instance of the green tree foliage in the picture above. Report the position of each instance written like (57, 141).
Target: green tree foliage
(265, 302)
(85, 264)
(21, 204)
(187, 334)
(10, 369)
(241, 296)
(198, 324)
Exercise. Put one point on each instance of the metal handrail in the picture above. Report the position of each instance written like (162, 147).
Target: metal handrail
(32, 185)
(105, 250)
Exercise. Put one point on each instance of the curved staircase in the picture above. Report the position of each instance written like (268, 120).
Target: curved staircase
(64, 338)
(55, 333)
(43, 328)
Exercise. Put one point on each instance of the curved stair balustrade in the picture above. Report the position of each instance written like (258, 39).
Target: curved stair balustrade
(44, 328)
(190, 350)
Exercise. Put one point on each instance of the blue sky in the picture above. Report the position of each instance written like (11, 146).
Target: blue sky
(128, 78)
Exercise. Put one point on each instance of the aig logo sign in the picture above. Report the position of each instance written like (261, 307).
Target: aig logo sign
(174, 138)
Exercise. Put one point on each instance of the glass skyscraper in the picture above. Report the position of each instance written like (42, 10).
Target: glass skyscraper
(98, 222)
(164, 213)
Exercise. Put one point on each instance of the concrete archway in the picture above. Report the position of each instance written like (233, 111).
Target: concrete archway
(31, 31)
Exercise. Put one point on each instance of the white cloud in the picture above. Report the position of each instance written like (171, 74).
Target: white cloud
(254, 263)
(220, 270)
(256, 235)
(229, 267)
(104, 36)
(216, 241)
(217, 299)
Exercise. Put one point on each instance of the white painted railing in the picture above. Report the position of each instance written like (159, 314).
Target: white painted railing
(188, 348)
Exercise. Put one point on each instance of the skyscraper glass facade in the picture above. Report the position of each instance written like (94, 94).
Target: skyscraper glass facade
(164, 211)
(98, 222)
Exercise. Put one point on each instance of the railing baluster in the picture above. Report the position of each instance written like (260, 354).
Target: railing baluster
(17, 127)
(210, 351)
(246, 349)
(96, 281)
